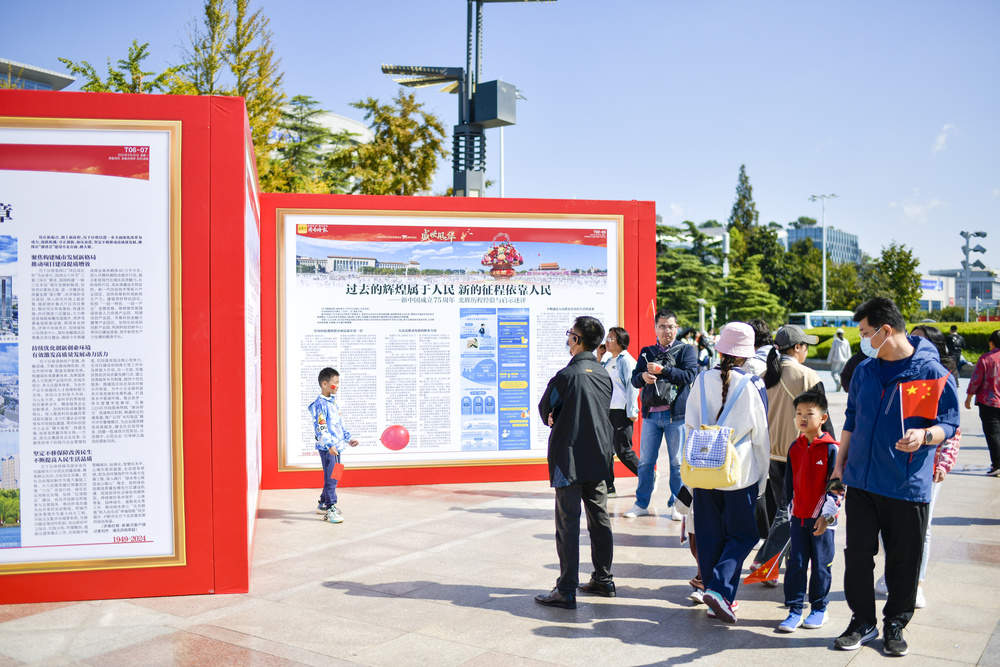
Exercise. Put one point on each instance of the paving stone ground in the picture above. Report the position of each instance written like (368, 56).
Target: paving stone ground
(445, 575)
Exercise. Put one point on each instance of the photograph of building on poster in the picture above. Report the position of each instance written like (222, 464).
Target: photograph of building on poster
(8, 302)
(447, 333)
(10, 491)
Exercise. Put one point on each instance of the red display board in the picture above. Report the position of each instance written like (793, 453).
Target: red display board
(363, 222)
(213, 196)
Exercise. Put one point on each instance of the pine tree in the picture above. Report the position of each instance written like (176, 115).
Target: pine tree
(747, 297)
(744, 213)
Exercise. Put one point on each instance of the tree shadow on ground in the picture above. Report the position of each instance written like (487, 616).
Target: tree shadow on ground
(617, 618)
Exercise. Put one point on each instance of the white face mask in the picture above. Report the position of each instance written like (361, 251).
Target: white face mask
(867, 348)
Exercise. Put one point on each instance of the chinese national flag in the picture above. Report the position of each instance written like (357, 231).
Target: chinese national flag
(920, 397)
(651, 309)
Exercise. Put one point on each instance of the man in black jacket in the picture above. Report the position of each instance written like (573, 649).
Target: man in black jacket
(664, 372)
(575, 404)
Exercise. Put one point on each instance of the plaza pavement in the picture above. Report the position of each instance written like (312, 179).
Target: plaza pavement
(445, 575)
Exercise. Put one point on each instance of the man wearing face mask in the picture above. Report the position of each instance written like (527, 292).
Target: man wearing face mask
(887, 463)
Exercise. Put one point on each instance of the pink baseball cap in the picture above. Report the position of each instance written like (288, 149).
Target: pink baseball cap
(736, 340)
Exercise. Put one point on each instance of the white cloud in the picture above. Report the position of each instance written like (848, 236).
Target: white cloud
(916, 210)
(676, 210)
(996, 193)
(941, 142)
(440, 251)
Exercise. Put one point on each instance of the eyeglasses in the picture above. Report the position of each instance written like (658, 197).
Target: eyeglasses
(570, 332)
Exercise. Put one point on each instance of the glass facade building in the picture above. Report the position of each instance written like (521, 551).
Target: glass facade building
(841, 246)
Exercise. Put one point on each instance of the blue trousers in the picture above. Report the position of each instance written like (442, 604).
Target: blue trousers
(807, 552)
(329, 495)
(654, 428)
(727, 531)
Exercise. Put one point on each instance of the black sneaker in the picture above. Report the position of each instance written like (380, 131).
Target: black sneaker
(856, 634)
(892, 639)
(993, 472)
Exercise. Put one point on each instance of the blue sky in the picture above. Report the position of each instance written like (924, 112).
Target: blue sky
(468, 256)
(890, 105)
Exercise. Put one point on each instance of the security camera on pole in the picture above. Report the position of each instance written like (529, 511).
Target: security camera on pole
(974, 265)
(480, 104)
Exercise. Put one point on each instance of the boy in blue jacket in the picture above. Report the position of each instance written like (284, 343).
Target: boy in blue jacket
(886, 460)
(331, 439)
(813, 511)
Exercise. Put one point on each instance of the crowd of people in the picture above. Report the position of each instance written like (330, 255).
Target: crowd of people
(751, 454)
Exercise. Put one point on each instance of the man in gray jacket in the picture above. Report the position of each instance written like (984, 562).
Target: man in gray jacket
(575, 404)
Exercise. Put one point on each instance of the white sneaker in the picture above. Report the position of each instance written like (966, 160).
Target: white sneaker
(637, 511)
(921, 600)
(696, 596)
(675, 515)
(880, 586)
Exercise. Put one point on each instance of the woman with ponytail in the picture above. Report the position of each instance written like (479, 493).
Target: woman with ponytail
(785, 378)
(724, 517)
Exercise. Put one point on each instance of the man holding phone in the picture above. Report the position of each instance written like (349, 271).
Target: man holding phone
(664, 372)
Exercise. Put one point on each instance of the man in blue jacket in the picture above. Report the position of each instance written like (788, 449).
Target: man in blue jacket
(887, 463)
(664, 372)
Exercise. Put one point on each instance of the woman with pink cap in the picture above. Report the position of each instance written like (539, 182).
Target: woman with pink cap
(724, 517)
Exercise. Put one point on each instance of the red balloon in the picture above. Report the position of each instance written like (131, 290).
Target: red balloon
(395, 437)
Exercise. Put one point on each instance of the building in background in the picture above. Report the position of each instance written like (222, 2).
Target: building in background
(841, 247)
(984, 287)
(30, 77)
(936, 292)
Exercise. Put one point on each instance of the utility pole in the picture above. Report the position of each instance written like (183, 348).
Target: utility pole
(822, 200)
(966, 250)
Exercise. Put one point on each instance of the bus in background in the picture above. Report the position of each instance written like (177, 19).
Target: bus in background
(823, 318)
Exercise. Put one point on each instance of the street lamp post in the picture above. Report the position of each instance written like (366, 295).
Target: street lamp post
(480, 105)
(822, 217)
(966, 250)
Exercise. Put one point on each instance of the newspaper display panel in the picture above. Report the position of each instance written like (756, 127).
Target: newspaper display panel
(89, 345)
(445, 328)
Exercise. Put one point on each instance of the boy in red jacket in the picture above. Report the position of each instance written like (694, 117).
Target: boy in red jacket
(811, 459)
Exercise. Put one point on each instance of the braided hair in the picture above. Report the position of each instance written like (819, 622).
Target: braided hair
(727, 363)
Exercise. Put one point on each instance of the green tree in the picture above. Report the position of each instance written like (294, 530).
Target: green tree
(744, 212)
(205, 56)
(747, 297)
(403, 155)
(127, 77)
(802, 222)
(843, 285)
(894, 274)
(302, 141)
(685, 275)
(229, 53)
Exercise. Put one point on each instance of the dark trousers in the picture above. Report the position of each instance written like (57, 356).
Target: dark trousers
(724, 524)
(990, 417)
(329, 494)
(808, 552)
(623, 442)
(595, 501)
(777, 534)
(902, 524)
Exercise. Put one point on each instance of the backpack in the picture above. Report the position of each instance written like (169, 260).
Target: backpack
(662, 392)
(710, 460)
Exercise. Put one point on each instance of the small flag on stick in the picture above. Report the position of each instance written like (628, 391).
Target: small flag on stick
(919, 398)
(768, 571)
(651, 310)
